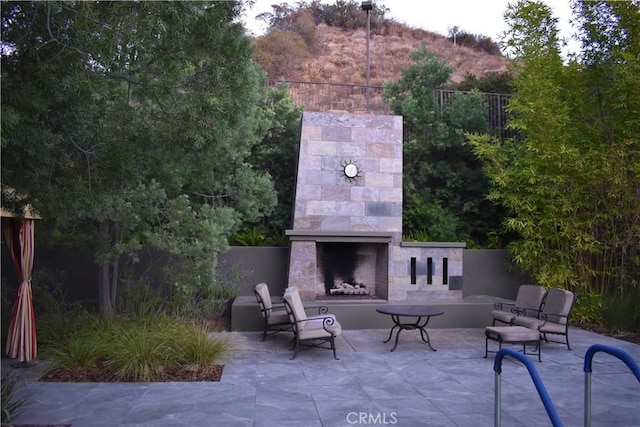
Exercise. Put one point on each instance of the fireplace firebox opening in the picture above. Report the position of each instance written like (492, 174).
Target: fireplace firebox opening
(348, 269)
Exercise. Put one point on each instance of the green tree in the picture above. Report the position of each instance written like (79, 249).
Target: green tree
(130, 123)
(491, 82)
(571, 184)
(444, 186)
(277, 154)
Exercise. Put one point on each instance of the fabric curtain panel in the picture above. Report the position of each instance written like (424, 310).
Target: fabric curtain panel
(21, 339)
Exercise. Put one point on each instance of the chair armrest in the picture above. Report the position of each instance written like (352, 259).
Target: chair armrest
(326, 321)
(500, 305)
(523, 311)
(544, 316)
(322, 309)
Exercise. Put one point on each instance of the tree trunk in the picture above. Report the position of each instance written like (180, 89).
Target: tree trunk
(104, 297)
(104, 284)
(115, 266)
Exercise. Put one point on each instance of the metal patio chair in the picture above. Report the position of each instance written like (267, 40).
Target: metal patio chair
(554, 317)
(528, 303)
(315, 331)
(275, 316)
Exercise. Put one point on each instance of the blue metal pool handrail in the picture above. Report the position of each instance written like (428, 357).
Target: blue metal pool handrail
(588, 358)
(537, 381)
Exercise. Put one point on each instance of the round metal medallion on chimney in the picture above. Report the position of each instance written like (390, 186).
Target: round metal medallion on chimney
(351, 171)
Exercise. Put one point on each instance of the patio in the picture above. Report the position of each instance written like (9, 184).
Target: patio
(369, 385)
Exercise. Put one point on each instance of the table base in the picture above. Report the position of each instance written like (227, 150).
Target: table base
(418, 324)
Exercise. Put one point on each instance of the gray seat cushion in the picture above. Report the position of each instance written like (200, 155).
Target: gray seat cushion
(512, 334)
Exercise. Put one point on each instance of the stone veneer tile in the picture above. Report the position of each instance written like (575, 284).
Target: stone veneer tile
(391, 195)
(321, 148)
(303, 268)
(364, 223)
(378, 209)
(455, 283)
(397, 181)
(335, 223)
(455, 268)
(376, 135)
(368, 165)
(330, 163)
(306, 223)
(309, 163)
(396, 294)
(309, 192)
(350, 208)
(380, 150)
(351, 151)
(306, 250)
(455, 255)
(339, 194)
(313, 133)
(336, 133)
(321, 178)
(321, 207)
(390, 165)
(391, 224)
(374, 179)
(364, 194)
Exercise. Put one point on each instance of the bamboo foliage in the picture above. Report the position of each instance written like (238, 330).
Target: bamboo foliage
(572, 183)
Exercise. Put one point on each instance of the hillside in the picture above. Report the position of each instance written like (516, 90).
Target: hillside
(339, 56)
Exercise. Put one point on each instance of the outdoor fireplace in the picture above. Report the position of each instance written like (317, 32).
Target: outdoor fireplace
(346, 239)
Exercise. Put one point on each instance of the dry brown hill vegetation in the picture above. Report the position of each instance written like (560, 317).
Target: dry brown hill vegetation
(338, 55)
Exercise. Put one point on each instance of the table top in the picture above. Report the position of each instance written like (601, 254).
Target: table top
(410, 310)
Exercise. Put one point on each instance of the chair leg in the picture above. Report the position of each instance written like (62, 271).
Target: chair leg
(333, 347)
(264, 333)
(295, 350)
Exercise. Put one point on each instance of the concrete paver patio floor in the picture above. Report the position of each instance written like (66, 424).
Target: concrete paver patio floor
(369, 385)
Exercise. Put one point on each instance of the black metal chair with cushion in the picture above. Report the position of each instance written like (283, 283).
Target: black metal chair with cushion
(554, 317)
(528, 303)
(311, 331)
(275, 316)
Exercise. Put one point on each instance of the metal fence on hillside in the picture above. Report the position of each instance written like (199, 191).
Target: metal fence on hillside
(353, 99)
(337, 96)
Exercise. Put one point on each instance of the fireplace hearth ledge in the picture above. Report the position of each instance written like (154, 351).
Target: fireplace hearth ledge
(434, 244)
(340, 236)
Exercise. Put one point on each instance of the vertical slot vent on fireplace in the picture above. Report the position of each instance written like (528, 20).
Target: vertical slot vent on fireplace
(429, 271)
(413, 270)
(445, 271)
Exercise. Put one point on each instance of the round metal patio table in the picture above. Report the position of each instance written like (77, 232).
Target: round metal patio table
(421, 313)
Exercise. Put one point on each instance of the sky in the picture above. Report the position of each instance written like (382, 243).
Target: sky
(473, 16)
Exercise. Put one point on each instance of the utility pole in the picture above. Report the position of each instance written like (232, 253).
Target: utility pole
(367, 6)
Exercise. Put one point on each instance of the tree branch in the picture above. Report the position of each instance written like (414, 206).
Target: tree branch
(208, 196)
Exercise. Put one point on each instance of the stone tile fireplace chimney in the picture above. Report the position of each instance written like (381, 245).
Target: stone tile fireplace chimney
(347, 219)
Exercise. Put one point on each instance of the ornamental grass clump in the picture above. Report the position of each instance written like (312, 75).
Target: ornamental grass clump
(200, 348)
(12, 406)
(140, 350)
(136, 349)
